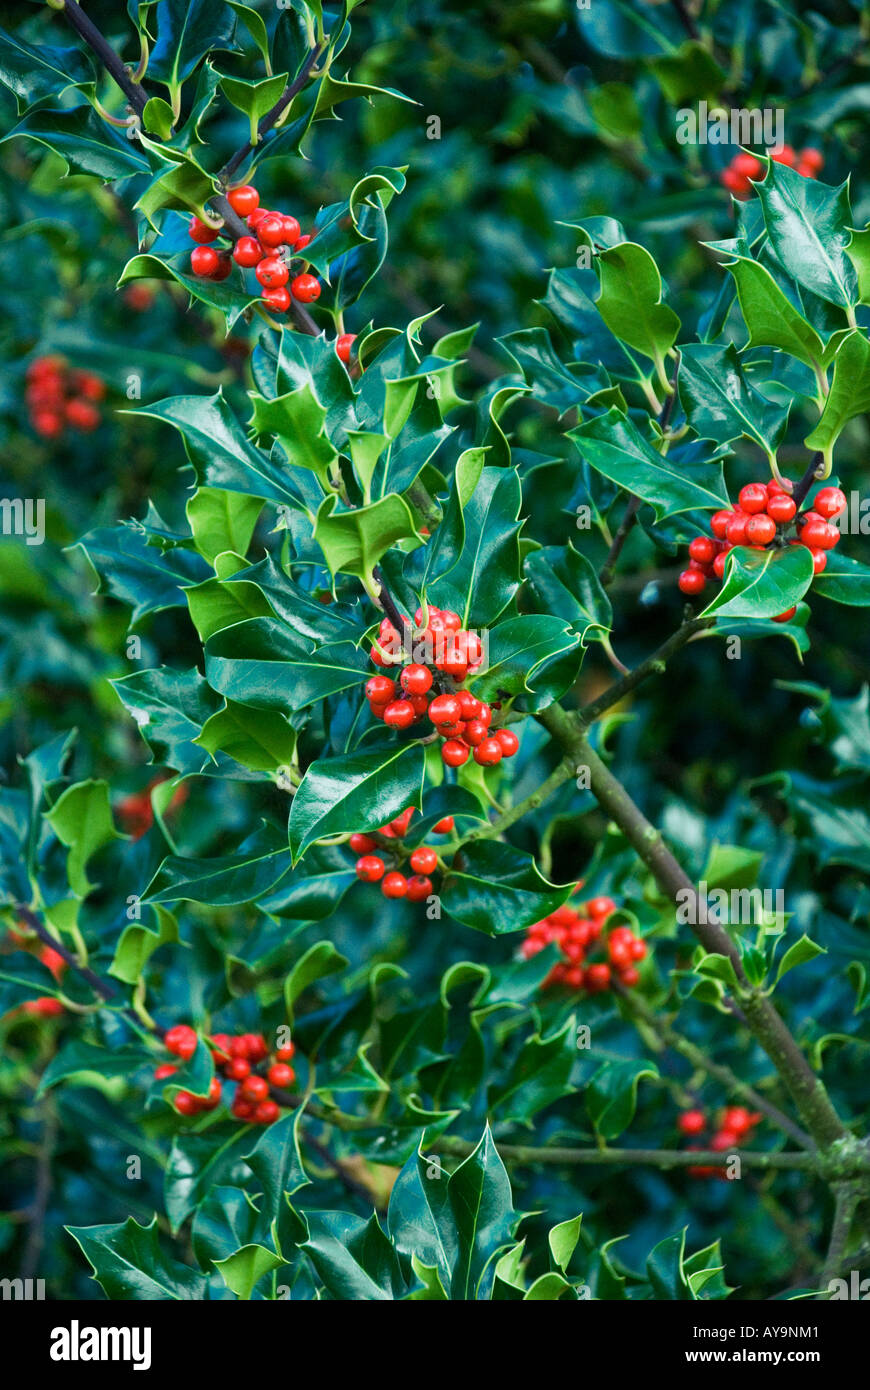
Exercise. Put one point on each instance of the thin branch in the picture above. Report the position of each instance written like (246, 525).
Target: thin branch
(106, 54)
(657, 1158)
(557, 778)
(272, 115)
(846, 1198)
(98, 985)
(806, 482)
(654, 665)
(685, 18)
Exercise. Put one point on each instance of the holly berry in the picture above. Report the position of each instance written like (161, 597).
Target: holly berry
(201, 232)
(244, 200)
(760, 530)
(735, 531)
(692, 581)
(305, 288)
(395, 885)
(287, 1052)
(488, 752)
(399, 714)
(82, 415)
(165, 1069)
(380, 689)
(703, 549)
(247, 251)
(270, 230)
(508, 742)
(204, 260)
(180, 1039)
(237, 1069)
(278, 300)
(692, 1122)
(454, 753)
(444, 826)
(255, 1088)
(830, 502)
(601, 907)
(361, 844)
(291, 229)
(266, 1113)
(370, 868)
(424, 860)
(781, 508)
(419, 888)
(300, 245)
(186, 1103)
(343, 343)
(819, 535)
(416, 680)
(271, 272)
(753, 498)
(719, 523)
(786, 616)
(597, 977)
(445, 709)
(280, 1075)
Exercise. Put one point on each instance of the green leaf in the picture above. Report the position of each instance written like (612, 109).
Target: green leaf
(479, 1197)
(197, 1163)
(612, 445)
(243, 1269)
(33, 72)
(77, 1057)
(143, 576)
(354, 1259)
(254, 98)
(808, 225)
(138, 943)
(844, 580)
(358, 791)
(263, 662)
(479, 554)
(849, 394)
(128, 1263)
(261, 739)
(188, 30)
(81, 818)
(562, 1241)
(255, 869)
(88, 144)
(611, 1095)
(354, 541)
(497, 893)
(721, 404)
(519, 649)
(539, 1076)
(223, 296)
(563, 581)
(222, 521)
(630, 302)
(276, 1163)
(798, 953)
(297, 421)
(319, 960)
(762, 583)
(170, 709)
(771, 318)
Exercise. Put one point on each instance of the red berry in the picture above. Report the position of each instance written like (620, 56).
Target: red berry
(380, 689)
(424, 860)
(286, 1053)
(300, 245)
(244, 200)
(813, 159)
(266, 1113)
(255, 1088)
(280, 1075)
(737, 1118)
(702, 549)
(291, 229)
(224, 266)
(629, 975)
(419, 888)
(746, 165)
(719, 564)
(508, 741)
(180, 1039)
(394, 886)
(278, 300)
(204, 260)
(691, 581)
(361, 844)
(399, 714)
(89, 385)
(213, 1099)
(597, 978)
(237, 1068)
(400, 823)
(753, 498)
(241, 1108)
(201, 232)
(724, 1140)
(305, 288)
(786, 616)
(780, 507)
(255, 218)
(830, 502)
(760, 529)
(600, 907)
(692, 1122)
(247, 251)
(735, 531)
(370, 868)
(488, 752)
(343, 344)
(638, 949)
(272, 273)
(82, 415)
(786, 155)
(186, 1103)
(475, 732)
(416, 680)
(455, 753)
(220, 1046)
(445, 709)
(444, 826)
(719, 522)
(165, 1069)
(256, 1047)
(270, 230)
(819, 535)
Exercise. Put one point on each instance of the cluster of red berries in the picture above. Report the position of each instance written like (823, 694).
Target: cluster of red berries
(762, 517)
(236, 1057)
(439, 644)
(735, 1127)
(277, 241)
(58, 396)
(745, 167)
(576, 932)
(372, 868)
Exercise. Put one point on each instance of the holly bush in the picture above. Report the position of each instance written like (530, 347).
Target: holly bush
(434, 834)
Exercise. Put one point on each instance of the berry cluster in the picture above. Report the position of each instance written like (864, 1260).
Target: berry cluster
(444, 646)
(277, 240)
(576, 931)
(763, 517)
(734, 1128)
(372, 868)
(58, 396)
(745, 167)
(236, 1057)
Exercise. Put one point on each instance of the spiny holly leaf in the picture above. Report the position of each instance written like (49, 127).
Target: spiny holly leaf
(256, 868)
(495, 894)
(88, 144)
(762, 583)
(771, 318)
(563, 581)
(539, 1076)
(36, 71)
(721, 404)
(630, 301)
(359, 791)
(354, 541)
(81, 818)
(199, 1162)
(187, 30)
(485, 573)
(224, 296)
(145, 577)
(849, 394)
(320, 960)
(808, 224)
(170, 709)
(261, 739)
(128, 1262)
(77, 1057)
(611, 1095)
(138, 943)
(297, 421)
(518, 654)
(613, 446)
(264, 663)
(221, 520)
(354, 1259)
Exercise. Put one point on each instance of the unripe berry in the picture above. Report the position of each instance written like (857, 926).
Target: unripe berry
(370, 868)
(272, 273)
(395, 885)
(204, 260)
(305, 288)
(244, 200)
